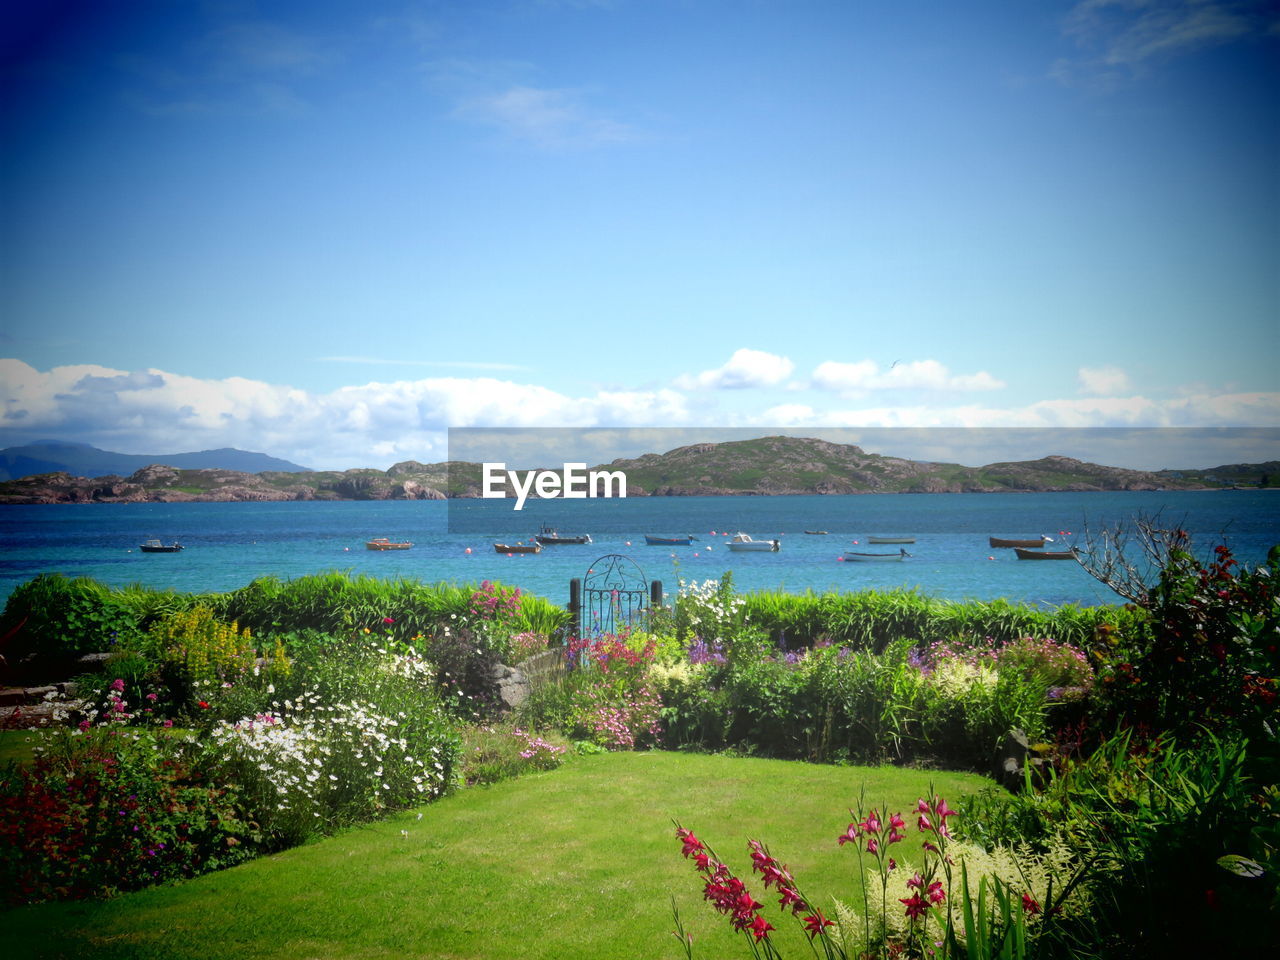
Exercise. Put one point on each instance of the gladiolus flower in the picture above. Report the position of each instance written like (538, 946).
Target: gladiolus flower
(816, 922)
(791, 898)
(916, 906)
(1030, 904)
(849, 835)
(916, 881)
(935, 893)
(760, 927)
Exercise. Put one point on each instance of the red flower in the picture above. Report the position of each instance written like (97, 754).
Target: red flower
(849, 835)
(1030, 904)
(203, 704)
(387, 620)
(791, 898)
(916, 906)
(815, 922)
(760, 927)
(936, 894)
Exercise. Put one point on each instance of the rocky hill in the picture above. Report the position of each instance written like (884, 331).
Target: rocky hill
(164, 484)
(765, 466)
(792, 465)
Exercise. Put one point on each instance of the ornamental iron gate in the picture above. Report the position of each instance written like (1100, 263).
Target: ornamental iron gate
(613, 595)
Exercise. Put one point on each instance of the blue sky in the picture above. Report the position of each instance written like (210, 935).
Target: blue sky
(330, 231)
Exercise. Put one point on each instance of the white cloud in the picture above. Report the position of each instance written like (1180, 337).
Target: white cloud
(376, 424)
(746, 368)
(1120, 38)
(159, 412)
(545, 117)
(865, 376)
(1100, 381)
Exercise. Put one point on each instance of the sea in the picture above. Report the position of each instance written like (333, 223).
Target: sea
(227, 545)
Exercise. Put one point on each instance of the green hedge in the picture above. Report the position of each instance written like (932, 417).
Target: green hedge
(871, 620)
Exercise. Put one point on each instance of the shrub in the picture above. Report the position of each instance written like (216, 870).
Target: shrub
(113, 810)
(54, 618)
(312, 767)
(1208, 649)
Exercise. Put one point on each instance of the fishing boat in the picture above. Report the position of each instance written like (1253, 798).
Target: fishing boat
(382, 543)
(1025, 554)
(891, 539)
(517, 548)
(548, 536)
(816, 533)
(742, 543)
(668, 541)
(155, 546)
(1014, 544)
(873, 557)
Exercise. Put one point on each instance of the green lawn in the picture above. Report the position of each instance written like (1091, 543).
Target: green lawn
(581, 862)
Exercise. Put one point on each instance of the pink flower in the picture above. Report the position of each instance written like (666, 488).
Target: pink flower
(916, 881)
(936, 893)
(388, 620)
(849, 835)
(117, 685)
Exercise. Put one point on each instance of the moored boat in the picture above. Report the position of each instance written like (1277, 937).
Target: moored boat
(816, 533)
(668, 541)
(1025, 554)
(742, 543)
(383, 543)
(517, 548)
(548, 536)
(155, 546)
(873, 557)
(891, 539)
(1014, 544)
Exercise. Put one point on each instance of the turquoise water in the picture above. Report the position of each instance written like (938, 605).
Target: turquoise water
(229, 544)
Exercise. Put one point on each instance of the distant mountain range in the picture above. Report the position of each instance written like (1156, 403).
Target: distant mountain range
(82, 460)
(765, 466)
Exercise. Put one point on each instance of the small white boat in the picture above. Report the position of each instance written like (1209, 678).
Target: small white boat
(742, 543)
(873, 557)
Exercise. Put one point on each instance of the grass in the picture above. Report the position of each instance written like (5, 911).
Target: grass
(17, 745)
(580, 862)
